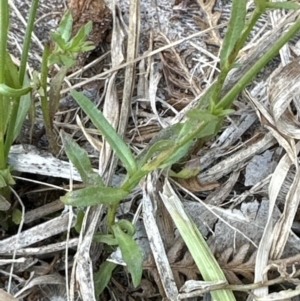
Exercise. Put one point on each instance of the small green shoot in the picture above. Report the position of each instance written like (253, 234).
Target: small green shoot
(67, 48)
(64, 54)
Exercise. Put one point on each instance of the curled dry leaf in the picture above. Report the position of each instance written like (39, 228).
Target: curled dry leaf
(283, 89)
(193, 184)
(189, 177)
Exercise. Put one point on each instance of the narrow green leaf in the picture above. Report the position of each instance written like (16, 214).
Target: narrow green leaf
(17, 216)
(11, 92)
(201, 115)
(6, 177)
(284, 5)
(2, 182)
(79, 220)
(81, 161)
(131, 254)
(80, 37)
(114, 140)
(211, 128)
(58, 40)
(61, 59)
(55, 88)
(65, 26)
(234, 30)
(223, 113)
(201, 253)
(11, 73)
(186, 128)
(167, 157)
(102, 277)
(88, 27)
(24, 106)
(176, 155)
(108, 239)
(126, 227)
(169, 133)
(156, 147)
(94, 195)
(88, 46)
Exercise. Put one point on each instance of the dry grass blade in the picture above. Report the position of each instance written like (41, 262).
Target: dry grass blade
(283, 227)
(83, 264)
(284, 86)
(200, 252)
(49, 279)
(111, 108)
(229, 164)
(35, 234)
(156, 243)
(267, 238)
(132, 50)
(6, 297)
(132, 47)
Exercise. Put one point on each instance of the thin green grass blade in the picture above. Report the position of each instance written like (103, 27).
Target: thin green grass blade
(204, 259)
(94, 195)
(81, 161)
(24, 106)
(235, 28)
(112, 137)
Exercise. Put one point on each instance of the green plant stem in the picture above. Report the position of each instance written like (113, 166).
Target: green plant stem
(258, 11)
(3, 43)
(227, 100)
(27, 39)
(111, 214)
(24, 58)
(44, 94)
(159, 160)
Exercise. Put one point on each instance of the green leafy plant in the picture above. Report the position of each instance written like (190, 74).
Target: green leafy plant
(65, 51)
(15, 99)
(169, 147)
(15, 87)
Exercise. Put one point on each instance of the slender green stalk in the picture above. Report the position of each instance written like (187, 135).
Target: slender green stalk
(227, 100)
(111, 214)
(258, 11)
(3, 43)
(27, 39)
(24, 57)
(45, 101)
(44, 94)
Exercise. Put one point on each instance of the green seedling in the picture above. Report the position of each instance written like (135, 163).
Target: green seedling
(65, 51)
